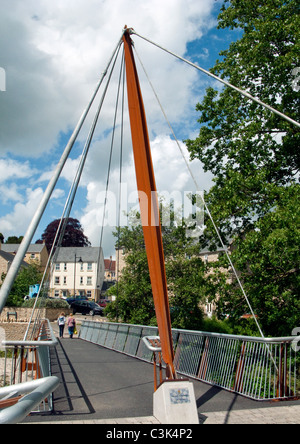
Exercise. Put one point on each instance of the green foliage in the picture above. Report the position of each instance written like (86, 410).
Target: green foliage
(47, 303)
(185, 275)
(27, 276)
(14, 239)
(269, 258)
(255, 158)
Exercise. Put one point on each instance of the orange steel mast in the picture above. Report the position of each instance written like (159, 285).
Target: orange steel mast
(149, 205)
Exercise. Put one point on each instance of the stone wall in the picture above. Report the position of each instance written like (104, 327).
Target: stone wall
(14, 328)
(23, 314)
(13, 331)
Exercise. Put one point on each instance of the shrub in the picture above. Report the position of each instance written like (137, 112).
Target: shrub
(47, 303)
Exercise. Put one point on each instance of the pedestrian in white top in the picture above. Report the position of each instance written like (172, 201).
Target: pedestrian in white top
(61, 321)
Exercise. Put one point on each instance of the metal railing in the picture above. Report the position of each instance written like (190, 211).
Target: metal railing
(260, 369)
(25, 367)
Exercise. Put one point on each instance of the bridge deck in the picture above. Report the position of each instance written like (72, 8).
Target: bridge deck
(98, 383)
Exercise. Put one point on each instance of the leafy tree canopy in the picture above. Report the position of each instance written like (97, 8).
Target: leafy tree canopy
(29, 275)
(255, 158)
(73, 234)
(185, 277)
(14, 239)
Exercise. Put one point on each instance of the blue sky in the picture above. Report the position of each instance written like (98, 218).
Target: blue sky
(53, 53)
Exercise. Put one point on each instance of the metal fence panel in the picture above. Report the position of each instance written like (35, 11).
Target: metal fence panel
(121, 337)
(111, 336)
(188, 352)
(257, 368)
(143, 352)
(133, 340)
(102, 333)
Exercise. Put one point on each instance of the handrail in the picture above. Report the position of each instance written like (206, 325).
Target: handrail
(255, 367)
(39, 343)
(27, 368)
(39, 390)
(276, 339)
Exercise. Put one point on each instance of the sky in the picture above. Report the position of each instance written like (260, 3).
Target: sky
(52, 54)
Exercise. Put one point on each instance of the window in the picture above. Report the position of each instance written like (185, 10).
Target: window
(57, 267)
(81, 280)
(89, 294)
(56, 280)
(81, 266)
(89, 280)
(65, 267)
(89, 266)
(56, 294)
(65, 280)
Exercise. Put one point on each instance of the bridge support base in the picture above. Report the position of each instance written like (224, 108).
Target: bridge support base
(174, 403)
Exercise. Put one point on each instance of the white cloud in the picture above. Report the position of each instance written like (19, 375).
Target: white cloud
(11, 170)
(17, 221)
(53, 53)
(172, 180)
(10, 194)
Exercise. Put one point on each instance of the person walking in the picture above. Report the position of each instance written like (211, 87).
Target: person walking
(61, 321)
(71, 325)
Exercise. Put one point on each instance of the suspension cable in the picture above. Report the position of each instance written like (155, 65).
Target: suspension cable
(241, 91)
(111, 149)
(16, 264)
(224, 248)
(120, 185)
(72, 193)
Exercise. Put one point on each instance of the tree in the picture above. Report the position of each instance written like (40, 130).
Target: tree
(73, 235)
(185, 277)
(14, 239)
(254, 155)
(27, 276)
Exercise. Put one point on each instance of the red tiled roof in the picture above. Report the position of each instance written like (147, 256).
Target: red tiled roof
(110, 265)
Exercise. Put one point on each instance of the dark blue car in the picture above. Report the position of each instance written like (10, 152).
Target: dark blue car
(86, 307)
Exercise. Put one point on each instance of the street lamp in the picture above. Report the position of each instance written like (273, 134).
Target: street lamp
(80, 262)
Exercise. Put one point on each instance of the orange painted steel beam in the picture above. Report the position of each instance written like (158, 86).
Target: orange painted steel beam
(149, 206)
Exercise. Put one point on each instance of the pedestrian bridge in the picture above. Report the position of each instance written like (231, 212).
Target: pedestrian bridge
(107, 373)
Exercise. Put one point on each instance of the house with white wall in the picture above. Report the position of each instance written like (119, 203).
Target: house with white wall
(77, 271)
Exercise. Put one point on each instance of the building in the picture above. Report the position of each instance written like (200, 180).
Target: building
(77, 271)
(36, 253)
(6, 260)
(109, 275)
(110, 270)
(207, 257)
(120, 262)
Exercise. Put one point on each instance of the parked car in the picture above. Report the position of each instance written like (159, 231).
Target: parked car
(86, 307)
(103, 302)
(76, 299)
